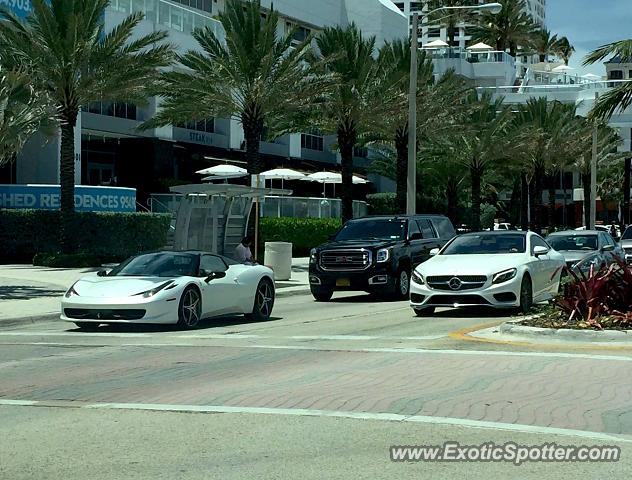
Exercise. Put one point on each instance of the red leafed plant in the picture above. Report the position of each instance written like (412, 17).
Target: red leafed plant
(605, 292)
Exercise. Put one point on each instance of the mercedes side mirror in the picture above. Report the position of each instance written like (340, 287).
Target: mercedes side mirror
(539, 250)
(434, 251)
(102, 273)
(214, 276)
(607, 248)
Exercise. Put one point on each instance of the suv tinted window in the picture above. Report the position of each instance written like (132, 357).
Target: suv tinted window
(426, 229)
(412, 228)
(444, 227)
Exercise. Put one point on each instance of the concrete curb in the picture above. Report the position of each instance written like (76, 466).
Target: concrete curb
(292, 291)
(19, 321)
(515, 328)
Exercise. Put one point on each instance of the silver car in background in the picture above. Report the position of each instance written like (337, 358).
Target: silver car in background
(585, 248)
(626, 244)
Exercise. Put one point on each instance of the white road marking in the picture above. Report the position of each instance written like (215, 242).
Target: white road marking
(460, 422)
(229, 336)
(422, 351)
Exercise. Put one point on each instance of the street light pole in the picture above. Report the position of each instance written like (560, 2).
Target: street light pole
(411, 181)
(593, 176)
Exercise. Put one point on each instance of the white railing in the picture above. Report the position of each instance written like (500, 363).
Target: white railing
(553, 88)
(272, 206)
(472, 56)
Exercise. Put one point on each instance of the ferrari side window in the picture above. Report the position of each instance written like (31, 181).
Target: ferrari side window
(212, 264)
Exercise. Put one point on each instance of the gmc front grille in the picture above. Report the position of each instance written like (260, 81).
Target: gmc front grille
(345, 260)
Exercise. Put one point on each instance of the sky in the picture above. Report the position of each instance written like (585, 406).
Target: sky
(588, 24)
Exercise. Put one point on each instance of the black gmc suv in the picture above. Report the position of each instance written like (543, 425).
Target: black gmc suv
(376, 254)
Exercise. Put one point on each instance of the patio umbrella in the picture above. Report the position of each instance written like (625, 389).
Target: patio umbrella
(230, 171)
(282, 174)
(480, 47)
(591, 77)
(562, 69)
(435, 44)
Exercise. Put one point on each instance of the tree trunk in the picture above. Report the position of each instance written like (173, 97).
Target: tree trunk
(253, 128)
(538, 213)
(542, 58)
(587, 199)
(452, 192)
(626, 193)
(552, 201)
(451, 34)
(67, 179)
(476, 174)
(346, 142)
(514, 205)
(524, 202)
(401, 146)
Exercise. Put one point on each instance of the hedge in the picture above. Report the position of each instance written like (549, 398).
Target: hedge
(303, 233)
(111, 237)
(382, 203)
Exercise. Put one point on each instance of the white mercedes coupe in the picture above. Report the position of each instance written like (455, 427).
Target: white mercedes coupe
(497, 269)
(170, 287)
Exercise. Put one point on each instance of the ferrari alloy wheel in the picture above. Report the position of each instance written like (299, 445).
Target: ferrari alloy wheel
(264, 301)
(190, 309)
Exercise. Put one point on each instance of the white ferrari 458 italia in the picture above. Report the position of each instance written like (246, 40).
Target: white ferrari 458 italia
(497, 269)
(170, 287)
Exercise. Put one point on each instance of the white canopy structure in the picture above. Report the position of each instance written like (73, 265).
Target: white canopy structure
(480, 47)
(228, 171)
(562, 69)
(435, 44)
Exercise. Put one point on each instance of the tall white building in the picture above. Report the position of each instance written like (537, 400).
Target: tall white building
(535, 8)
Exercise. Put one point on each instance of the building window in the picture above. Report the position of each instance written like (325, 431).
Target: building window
(615, 75)
(312, 142)
(113, 109)
(205, 5)
(207, 126)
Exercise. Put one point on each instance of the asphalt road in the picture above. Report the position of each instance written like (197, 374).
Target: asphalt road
(319, 391)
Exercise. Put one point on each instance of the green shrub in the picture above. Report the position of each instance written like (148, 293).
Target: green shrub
(382, 203)
(110, 237)
(60, 260)
(303, 233)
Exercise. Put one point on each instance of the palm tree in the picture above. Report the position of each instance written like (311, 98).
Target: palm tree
(506, 30)
(537, 126)
(64, 51)
(478, 146)
(608, 141)
(23, 112)
(255, 76)
(564, 50)
(617, 99)
(363, 98)
(545, 44)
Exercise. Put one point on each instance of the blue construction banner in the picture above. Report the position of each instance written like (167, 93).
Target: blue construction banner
(87, 198)
(21, 8)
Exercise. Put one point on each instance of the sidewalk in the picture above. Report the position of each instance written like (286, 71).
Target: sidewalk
(29, 294)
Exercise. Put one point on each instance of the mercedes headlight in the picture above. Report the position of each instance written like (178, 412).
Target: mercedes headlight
(504, 276)
(383, 254)
(154, 291)
(312, 255)
(417, 278)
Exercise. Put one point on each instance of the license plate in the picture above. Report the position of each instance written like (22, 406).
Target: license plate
(343, 282)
